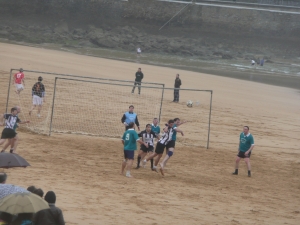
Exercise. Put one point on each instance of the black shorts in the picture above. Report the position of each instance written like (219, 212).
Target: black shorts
(8, 133)
(159, 148)
(171, 144)
(149, 149)
(242, 155)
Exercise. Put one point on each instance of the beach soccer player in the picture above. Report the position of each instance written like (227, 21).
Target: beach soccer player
(147, 137)
(19, 81)
(38, 96)
(129, 139)
(130, 116)
(244, 151)
(161, 144)
(155, 127)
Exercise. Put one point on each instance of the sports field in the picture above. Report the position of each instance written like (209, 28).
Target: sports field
(198, 187)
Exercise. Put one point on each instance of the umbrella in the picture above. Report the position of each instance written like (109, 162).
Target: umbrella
(9, 160)
(22, 203)
(8, 189)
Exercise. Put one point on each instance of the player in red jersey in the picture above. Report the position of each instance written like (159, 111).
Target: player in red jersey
(19, 81)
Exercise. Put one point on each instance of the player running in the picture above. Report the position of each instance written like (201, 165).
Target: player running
(148, 137)
(19, 81)
(163, 141)
(10, 122)
(129, 139)
(38, 96)
(170, 147)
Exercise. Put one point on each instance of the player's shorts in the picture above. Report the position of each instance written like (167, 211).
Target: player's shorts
(159, 148)
(19, 87)
(242, 155)
(171, 144)
(37, 100)
(8, 133)
(149, 149)
(128, 154)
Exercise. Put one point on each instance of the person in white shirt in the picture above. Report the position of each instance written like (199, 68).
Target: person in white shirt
(138, 51)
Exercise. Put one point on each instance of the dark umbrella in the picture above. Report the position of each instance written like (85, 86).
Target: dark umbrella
(9, 160)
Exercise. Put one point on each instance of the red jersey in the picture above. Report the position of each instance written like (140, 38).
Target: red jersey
(18, 78)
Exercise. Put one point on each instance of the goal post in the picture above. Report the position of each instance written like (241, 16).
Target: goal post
(100, 106)
(24, 100)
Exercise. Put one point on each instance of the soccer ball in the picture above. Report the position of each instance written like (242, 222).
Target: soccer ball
(189, 103)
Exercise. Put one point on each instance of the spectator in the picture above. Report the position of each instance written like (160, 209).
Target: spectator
(31, 189)
(23, 219)
(49, 216)
(138, 80)
(138, 51)
(39, 192)
(3, 177)
(252, 62)
(177, 86)
(5, 218)
(262, 61)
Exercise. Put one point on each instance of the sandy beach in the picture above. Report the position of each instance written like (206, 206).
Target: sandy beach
(198, 187)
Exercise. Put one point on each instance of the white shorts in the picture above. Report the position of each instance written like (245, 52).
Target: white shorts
(19, 87)
(37, 100)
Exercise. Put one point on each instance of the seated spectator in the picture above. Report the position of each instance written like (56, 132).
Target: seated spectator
(49, 216)
(3, 178)
(31, 189)
(23, 219)
(39, 192)
(5, 218)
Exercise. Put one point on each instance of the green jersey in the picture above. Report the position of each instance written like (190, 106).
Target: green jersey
(130, 137)
(245, 142)
(155, 129)
(174, 136)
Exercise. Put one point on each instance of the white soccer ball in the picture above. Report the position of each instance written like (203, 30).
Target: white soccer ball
(189, 103)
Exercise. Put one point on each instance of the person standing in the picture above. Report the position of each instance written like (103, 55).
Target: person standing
(129, 117)
(19, 81)
(138, 80)
(138, 51)
(129, 139)
(38, 95)
(244, 151)
(155, 127)
(176, 88)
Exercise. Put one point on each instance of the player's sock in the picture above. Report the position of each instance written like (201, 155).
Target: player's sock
(152, 163)
(249, 173)
(139, 161)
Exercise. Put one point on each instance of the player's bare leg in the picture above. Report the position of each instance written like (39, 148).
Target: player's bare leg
(141, 156)
(124, 163)
(39, 110)
(247, 161)
(32, 108)
(148, 158)
(237, 162)
(2, 141)
(14, 144)
(129, 165)
(8, 143)
(156, 162)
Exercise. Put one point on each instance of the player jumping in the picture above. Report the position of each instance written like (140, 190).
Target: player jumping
(19, 81)
(148, 137)
(163, 141)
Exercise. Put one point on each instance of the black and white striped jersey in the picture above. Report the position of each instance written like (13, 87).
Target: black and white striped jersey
(11, 120)
(148, 137)
(167, 136)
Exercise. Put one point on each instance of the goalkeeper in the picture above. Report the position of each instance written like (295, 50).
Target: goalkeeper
(38, 94)
(129, 117)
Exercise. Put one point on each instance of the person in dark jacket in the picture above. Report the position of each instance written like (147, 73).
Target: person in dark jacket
(176, 91)
(138, 80)
(23, 219)
(52, 216)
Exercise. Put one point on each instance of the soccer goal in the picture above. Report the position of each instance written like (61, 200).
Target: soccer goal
(96, 107)
(41, 124)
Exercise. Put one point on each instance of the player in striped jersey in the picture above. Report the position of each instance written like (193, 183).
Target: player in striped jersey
(163, 141)
(147, 137)
(10, 122)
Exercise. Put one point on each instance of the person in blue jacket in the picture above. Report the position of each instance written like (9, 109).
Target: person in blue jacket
(129, 117)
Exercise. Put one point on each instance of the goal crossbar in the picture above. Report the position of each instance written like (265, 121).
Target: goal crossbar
(127, 85)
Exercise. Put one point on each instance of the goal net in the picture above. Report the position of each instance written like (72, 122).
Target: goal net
(96, 107)
(41, 124)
